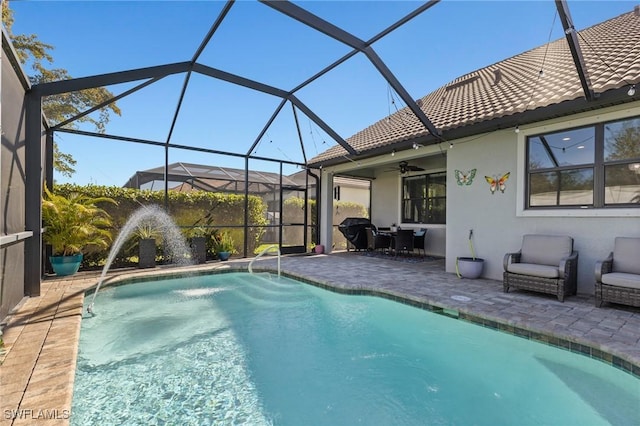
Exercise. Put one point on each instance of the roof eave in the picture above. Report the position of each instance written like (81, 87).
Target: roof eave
(563, 109)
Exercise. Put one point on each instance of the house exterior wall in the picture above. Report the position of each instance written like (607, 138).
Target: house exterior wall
(385, 204)
(499, 220)
(357, 195)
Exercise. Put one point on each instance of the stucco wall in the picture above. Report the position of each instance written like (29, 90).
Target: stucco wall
(499, 220)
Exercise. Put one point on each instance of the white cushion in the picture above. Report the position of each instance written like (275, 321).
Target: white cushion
(545, 249)
(543, 271)
(621, 279)
(626, 255)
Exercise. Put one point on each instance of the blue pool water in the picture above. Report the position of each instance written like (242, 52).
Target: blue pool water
(240, 349)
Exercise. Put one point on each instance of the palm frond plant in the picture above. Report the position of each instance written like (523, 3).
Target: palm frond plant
(224, 245)
(75, 224)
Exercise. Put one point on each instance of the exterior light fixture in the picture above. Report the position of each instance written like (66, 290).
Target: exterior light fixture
(632, 90)
(517, 129)
(393, 152)
(450, 145)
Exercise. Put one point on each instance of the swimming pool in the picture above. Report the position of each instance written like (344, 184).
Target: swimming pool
(233, 348)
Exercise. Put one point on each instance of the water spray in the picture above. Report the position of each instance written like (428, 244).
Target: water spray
(174, 240)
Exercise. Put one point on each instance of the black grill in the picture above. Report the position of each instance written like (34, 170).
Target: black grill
(353, 229)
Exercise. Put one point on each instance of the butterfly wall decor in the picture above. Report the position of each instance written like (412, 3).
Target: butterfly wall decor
(496, 182)
(465, 178)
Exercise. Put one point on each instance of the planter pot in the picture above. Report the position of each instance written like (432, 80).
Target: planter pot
(199, 249)
(66, 265)
(147, 253)
(319, 249)
(224, 255)
(468, 267)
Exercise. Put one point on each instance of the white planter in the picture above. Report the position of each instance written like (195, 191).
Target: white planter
(468, 267)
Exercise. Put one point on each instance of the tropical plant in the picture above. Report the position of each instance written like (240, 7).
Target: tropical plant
(224, 243)
(75, 223)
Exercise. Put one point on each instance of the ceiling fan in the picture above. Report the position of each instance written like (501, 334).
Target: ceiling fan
(405, 167)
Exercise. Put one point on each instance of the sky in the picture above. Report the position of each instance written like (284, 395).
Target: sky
(451, 39)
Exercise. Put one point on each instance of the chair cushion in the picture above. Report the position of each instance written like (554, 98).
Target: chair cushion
(621, 279)
(543, 271)
(626, 255)
(545, 249)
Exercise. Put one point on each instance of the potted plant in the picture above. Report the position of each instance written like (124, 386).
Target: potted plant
(198, 240)
(224, 246)
(145, 236)
(469, 267)
(73, 225)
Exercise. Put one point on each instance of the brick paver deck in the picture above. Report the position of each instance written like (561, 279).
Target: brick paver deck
(41, 336)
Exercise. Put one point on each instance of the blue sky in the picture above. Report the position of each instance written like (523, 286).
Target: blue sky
(447, 41)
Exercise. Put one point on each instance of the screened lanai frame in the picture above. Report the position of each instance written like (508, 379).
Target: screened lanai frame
(149, 75)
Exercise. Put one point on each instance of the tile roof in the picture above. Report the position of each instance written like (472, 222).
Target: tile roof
(611, 52)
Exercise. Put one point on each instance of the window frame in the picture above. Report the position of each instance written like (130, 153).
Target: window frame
(428, 180)
(598, 166)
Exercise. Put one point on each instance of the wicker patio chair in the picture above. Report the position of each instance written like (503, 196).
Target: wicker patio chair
(402, 241)
(618, 276)
(376, 241)
(545, 263)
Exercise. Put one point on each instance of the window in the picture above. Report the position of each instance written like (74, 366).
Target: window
(424, 198)
(590, 167)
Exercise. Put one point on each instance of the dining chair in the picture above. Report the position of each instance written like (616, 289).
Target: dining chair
(419, 239)
(402, 241)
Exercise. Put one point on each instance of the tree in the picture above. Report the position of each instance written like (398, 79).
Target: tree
(58, 108)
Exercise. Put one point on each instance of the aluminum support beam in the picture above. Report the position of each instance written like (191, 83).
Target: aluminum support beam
(266, 126)
(295, 117)
(375, 38)
(212, 30)
(574, 46)
(270, 90)
(324, 126)
(107, 102)
(295, 12)
(74, 84)
(33, 193)
(401, 91)
(172, 145)
(240, 81)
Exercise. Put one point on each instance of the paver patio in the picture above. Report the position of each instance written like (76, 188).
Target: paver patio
(41, 337)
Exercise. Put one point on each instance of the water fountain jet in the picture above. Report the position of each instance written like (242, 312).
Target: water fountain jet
(155, 216)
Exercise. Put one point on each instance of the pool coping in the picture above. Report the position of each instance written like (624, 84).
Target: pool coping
(38, 369)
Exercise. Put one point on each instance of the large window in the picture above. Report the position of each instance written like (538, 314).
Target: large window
(424, 198)
(595, 166)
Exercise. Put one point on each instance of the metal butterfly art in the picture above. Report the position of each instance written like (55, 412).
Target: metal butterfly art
(465, 178)
(497, 183)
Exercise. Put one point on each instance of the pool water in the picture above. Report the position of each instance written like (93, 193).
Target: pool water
(248, 349)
